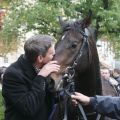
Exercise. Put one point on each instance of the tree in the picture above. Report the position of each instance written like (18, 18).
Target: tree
(42, 16)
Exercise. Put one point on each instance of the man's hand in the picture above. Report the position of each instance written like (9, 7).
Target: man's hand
(78, 97)
(50, 67)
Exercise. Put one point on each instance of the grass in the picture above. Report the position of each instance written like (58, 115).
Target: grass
(1, 107)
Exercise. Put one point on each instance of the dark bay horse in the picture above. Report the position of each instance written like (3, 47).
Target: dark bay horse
(77, 42)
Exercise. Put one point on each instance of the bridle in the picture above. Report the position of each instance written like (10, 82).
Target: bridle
(69, 74)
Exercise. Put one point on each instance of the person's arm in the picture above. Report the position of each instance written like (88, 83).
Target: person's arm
(106, 105)
(17, 95)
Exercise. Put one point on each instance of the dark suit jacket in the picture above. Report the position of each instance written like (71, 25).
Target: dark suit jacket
(107, 88)
(25, 93)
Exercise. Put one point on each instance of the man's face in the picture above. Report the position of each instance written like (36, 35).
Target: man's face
(49, 55)
(105, 73)
(115, 74)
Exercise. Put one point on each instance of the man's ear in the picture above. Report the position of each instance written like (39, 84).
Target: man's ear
(40, 59)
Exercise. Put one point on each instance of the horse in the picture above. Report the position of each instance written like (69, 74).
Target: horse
(77, 47)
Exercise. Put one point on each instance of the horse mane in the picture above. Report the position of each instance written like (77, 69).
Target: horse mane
(73, 25)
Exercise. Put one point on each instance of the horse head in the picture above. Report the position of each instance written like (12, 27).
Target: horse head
(74, 41)
(76, 54)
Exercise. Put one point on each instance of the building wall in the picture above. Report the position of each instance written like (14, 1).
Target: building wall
(105, 53)
(10, 57)
(13, 56)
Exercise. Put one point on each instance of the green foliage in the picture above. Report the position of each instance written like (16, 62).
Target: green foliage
(45, 21)
(42, 17)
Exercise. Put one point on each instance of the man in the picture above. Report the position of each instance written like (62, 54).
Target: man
(116, 74)
(105, 105)
(105, 74)
(109, 84)
(26, 85)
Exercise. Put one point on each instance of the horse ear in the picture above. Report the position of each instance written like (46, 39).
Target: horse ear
(87, 21)
(62, 23)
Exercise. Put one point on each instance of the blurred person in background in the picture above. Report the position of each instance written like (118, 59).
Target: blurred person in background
(109, 85)
(116, 74)
(105, 74)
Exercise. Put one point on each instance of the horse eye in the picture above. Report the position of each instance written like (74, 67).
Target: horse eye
(74, 45)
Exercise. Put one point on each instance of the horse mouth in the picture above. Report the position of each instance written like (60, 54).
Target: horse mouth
(54, 76)
(57, 75)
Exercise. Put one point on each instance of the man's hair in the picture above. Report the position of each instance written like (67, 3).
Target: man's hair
(37, 45)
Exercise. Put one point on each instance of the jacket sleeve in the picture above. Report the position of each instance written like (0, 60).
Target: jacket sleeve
(17, 95)
(106, 105)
